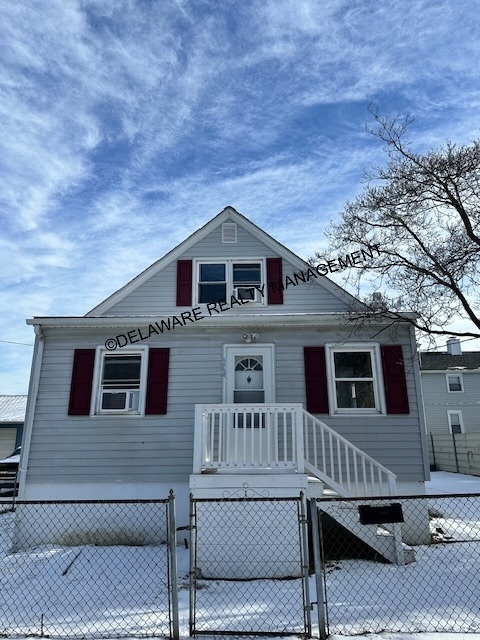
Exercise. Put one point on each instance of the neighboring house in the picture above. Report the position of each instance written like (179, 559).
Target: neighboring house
(451, 389)
(12, 417)
(261, 394)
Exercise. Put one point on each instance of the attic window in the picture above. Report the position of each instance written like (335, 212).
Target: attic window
(229, 232)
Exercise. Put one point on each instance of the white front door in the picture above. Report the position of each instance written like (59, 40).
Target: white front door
(249, 380)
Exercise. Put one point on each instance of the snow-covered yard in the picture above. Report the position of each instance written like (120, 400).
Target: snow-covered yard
(113, 591)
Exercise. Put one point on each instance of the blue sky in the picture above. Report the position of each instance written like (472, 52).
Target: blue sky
(126, 125)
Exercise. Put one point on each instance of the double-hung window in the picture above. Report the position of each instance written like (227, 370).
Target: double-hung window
(455, 421)
(454, 382)
(354, 375)
(217, 281)
(121, 382)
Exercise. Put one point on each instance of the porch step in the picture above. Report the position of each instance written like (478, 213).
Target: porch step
(380, 538)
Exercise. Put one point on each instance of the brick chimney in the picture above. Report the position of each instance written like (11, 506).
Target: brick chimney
(454, 347)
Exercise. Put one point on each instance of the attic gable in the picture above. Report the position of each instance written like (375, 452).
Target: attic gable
(227, 234)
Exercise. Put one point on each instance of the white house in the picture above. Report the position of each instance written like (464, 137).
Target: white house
(451, 389)
(227, 366)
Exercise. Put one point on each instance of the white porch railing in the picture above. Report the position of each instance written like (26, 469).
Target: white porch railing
(341, 465)
(274, 437)
(253, 436)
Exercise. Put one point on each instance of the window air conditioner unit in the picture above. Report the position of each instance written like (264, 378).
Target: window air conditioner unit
(247, 293)
(119, 400)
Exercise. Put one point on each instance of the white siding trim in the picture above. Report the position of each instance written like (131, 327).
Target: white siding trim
(378, 382)
(268, 353)
(100, 351)
(30, 411)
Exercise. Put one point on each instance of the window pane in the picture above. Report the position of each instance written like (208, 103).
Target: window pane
(356, 364)
(248, 396)
(246, 274)
(212, 293)
(212, 273)
(455, 422)
(122, 370)
(355, 395)
(454, 383)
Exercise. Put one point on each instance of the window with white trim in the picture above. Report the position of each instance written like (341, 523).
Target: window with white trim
(121, 382)
(454, 382)
(354, 379)
(455, 421)
(218, 280)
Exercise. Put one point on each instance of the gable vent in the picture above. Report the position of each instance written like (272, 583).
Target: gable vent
(229, 232)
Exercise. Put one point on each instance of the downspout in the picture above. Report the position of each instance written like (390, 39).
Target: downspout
(421, 407)
(30, 410)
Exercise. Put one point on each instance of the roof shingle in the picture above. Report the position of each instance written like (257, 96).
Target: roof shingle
(441, 361)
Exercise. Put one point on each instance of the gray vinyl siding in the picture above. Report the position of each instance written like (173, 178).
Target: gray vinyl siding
(438, 401)
(157, 296)
(160, 448)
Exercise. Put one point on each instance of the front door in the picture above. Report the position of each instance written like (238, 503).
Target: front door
(249, 381)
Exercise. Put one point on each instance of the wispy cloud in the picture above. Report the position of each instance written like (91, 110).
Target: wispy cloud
(126, 125)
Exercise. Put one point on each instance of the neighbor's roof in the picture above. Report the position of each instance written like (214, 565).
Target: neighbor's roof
(442, 361)
(12, 408)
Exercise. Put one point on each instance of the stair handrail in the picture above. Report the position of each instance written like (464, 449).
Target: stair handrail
(341, 465)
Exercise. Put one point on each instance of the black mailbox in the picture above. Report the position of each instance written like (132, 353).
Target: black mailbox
(381, 514)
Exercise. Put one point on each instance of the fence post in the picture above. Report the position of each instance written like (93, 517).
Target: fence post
(455, 452)
(193, 568)
(304, 560)
(317, 563)
(433, 453)
(172, 547)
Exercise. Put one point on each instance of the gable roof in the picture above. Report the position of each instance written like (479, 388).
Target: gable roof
(442, 361)
(231, 215)
(12, 408)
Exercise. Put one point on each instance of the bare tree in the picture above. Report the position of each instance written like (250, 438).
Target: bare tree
(423, 213)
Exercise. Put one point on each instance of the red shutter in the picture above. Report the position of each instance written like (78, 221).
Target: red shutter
(274, 281)
(394, 378)
(184, 283)
(81, 385)
(316, 379)
(157, 381)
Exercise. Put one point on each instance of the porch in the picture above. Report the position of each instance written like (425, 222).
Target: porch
(282, 451)
(275, 439)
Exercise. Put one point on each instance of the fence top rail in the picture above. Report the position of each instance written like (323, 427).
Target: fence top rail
(129, 501)
(422, 496)
(251, 499)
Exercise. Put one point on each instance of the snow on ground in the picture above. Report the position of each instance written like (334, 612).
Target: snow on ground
(443, 482)
(72, 590)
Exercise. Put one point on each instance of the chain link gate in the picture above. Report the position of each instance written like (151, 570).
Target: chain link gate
(249, 567)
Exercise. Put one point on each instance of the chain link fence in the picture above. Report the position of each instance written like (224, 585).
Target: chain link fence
(103, 569)
(249, 567)
(88, 569)
(437, 588)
